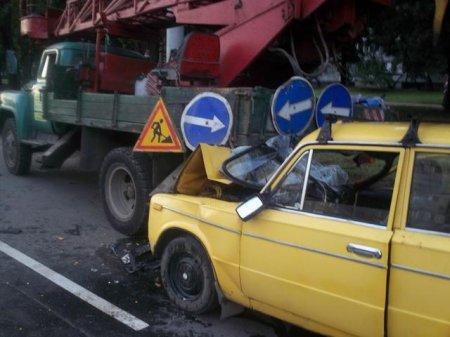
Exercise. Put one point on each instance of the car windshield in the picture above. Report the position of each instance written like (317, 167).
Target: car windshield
(252, 167)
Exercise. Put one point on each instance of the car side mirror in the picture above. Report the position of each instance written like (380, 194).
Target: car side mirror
(251, 207)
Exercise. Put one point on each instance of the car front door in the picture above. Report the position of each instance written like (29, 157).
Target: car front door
(419, 287)
(318, 256)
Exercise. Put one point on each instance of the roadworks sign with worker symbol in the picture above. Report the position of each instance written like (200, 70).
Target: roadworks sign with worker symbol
(159, 135)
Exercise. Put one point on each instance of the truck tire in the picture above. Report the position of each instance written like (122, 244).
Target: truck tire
(187, 275)
(17, 156)
(125, 185)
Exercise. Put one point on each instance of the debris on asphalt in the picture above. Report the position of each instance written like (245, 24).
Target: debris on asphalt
(76, 231)
(113, 282)
(10, 230)
(135, 255)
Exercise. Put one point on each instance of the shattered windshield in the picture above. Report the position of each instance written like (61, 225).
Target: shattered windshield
(253, 166)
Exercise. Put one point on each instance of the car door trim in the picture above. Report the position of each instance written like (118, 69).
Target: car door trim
(284, 243)
(328, 217)
(421, 271)
(306, 178)
(228, 229)
(315, 250)
(426, 231)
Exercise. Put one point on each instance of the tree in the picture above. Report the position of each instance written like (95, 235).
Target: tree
(26, 50)
(405, 32)
(8, 32)
(9, 40)
(444, 40)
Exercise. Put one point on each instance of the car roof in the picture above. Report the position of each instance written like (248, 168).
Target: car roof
(436, 134)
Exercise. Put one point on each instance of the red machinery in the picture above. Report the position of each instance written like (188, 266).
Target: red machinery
(248, 32)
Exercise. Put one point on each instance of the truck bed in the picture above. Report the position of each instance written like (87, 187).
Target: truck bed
(129, 113)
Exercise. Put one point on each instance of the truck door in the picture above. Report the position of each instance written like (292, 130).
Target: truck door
(43, 84)
(419, 286)
(319, 255)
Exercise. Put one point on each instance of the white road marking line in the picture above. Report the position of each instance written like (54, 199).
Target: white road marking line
(75, 289)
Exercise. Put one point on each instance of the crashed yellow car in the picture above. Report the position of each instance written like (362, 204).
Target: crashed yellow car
(346, 235)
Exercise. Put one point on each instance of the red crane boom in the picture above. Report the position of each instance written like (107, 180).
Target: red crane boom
(245, 28)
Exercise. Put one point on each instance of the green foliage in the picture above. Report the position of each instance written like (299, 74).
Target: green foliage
(372, 71)
(405, 32)
(10, 13)
(9, 29)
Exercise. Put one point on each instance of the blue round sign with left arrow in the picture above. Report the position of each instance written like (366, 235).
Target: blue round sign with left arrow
(206, 119)
(334, 100)
(293, 106)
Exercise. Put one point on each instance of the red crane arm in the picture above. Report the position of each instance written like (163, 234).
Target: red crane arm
(245, 27)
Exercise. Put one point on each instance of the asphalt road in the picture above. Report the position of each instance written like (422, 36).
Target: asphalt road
(59, 276)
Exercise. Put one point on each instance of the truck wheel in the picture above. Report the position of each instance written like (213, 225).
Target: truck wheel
(17, 156)
(125, 184)
(187, 275)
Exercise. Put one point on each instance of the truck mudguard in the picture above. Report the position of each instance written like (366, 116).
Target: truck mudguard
(20, 105)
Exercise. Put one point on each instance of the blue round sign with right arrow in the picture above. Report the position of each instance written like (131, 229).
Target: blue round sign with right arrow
(206, 119)
(293, 106)
(334, 100)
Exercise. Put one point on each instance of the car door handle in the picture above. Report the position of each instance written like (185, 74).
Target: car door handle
(364, 251)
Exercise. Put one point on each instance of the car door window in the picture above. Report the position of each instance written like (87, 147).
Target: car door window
(429, 205)
(354, 185)
(289, 193)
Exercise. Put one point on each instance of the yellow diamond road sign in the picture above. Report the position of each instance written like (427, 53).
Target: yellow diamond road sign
(159, 135)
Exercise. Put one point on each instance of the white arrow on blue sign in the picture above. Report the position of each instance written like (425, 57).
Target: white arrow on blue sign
(334, 100)
(206, 119)
(293, 106)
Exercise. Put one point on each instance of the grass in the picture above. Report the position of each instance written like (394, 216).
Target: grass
(399, 96)
(404, 96)
(402, 104)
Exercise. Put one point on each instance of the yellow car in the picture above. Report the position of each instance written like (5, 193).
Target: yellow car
(347, 236)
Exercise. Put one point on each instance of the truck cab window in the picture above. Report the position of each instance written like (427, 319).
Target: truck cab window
(429, 205)
(47, 65)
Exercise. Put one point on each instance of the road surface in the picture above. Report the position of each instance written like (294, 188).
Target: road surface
(59, 276)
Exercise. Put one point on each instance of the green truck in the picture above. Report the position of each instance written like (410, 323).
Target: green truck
(58, 115)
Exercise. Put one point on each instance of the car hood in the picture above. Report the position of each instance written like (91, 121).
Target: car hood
(202, 171)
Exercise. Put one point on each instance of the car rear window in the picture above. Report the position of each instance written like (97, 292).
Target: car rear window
(429, 205)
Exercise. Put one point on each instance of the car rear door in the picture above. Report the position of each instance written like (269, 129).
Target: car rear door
(419, 286)
(319, 257)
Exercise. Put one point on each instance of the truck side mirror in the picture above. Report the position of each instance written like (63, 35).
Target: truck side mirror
(251, 207)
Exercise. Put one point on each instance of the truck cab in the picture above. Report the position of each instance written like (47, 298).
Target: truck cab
(65, 70)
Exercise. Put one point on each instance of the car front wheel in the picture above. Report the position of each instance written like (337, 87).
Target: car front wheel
(187, 275)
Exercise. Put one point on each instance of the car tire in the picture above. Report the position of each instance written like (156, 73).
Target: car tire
(187, 275)
(17, 156)
(125, 185)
